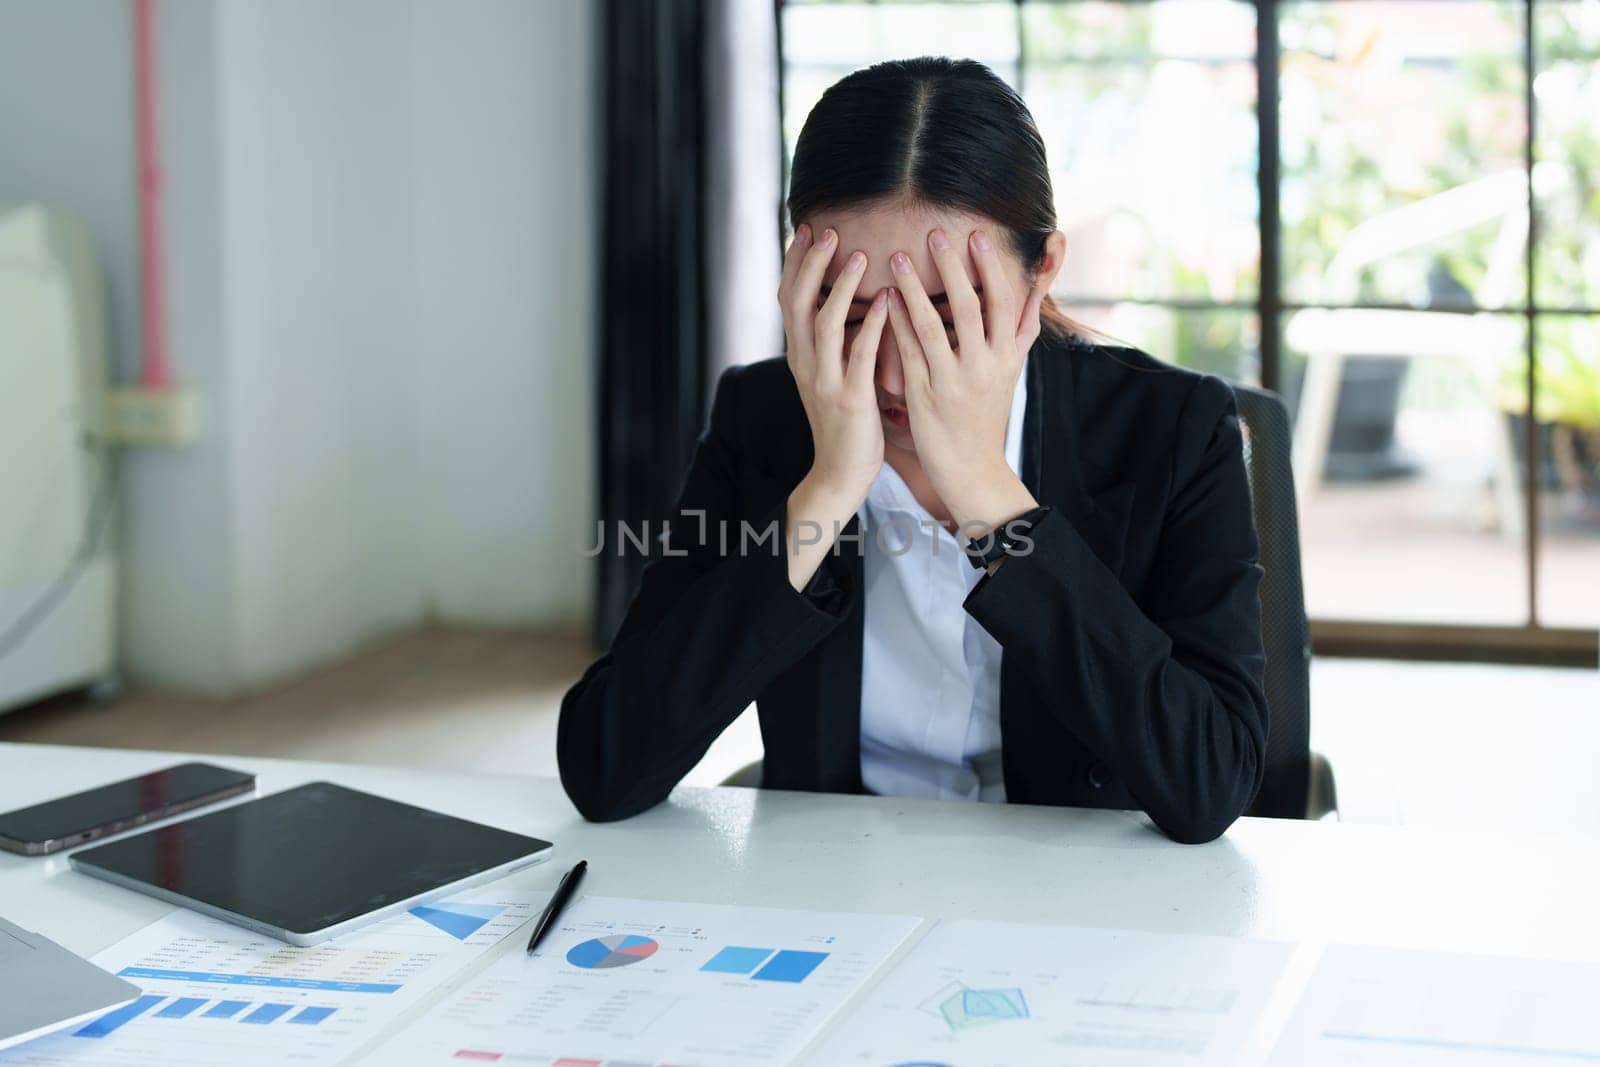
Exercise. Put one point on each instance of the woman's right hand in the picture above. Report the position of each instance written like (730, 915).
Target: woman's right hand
(838, 393)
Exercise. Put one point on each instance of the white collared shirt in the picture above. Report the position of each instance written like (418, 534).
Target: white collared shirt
(930, 674)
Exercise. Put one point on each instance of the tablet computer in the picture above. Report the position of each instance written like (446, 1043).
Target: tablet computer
(311, 862)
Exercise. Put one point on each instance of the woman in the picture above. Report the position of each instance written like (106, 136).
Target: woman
(935, 408)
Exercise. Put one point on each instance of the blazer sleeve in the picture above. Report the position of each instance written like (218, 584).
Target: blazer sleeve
(714, 621)
(1169, 693)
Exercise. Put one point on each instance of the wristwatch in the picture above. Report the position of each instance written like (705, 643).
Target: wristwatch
(1007, 540)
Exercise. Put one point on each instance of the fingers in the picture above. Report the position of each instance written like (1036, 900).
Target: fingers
(829, 329)
(808, 281)
(798, 332)
(799, 300)
(863, 362)
(1028, 322)
(913, 364)
(964, 306)
(926, 325)
(1000, 311)
(799, 245)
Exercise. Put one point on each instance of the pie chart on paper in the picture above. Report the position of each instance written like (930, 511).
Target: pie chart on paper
(620, 950)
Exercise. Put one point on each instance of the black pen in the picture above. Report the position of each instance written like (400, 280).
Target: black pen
(558, 900)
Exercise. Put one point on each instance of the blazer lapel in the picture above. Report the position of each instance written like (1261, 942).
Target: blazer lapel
(1056, 473)
(1052, 470)
(1106, 527)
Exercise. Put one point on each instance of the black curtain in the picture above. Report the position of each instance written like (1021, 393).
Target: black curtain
(691, 167)
(653, 325)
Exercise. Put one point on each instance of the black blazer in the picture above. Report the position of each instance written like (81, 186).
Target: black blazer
(1132, 661)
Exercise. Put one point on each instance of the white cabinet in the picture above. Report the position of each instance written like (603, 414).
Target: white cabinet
(58, 573)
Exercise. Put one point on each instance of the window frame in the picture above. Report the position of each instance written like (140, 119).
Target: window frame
(1530, 642)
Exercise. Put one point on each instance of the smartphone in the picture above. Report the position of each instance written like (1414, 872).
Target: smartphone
(111, 809)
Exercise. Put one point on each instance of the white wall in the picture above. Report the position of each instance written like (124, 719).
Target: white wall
(67, 138)
(66, 71)
(322, 327)
(177, 608)
(380, 284)
(506, 180)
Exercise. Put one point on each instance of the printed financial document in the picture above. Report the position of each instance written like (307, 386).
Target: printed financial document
(1384, 1007)
(653, 982)
(1014, 995)
(215, 993)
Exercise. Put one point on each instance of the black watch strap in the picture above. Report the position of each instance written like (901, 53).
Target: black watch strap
(1005, 540)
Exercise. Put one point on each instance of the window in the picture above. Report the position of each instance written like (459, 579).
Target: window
(1365, 245)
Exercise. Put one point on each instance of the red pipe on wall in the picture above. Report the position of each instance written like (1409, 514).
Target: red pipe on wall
(155, 372)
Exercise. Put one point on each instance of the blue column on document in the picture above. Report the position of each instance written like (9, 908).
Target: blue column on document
(790, 966)
(267, 1013)
(109, 1022)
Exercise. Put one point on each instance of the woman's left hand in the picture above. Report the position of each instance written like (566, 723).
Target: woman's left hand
(959, 401)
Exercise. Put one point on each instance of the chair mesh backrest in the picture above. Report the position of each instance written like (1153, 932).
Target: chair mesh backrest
(1284, 631)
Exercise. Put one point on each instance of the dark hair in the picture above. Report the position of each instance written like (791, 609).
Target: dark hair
(938, 132)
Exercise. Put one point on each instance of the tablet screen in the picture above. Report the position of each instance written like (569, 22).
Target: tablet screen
(312, 857)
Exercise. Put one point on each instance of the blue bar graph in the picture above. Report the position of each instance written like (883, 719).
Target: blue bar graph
(267, 1013)
(258, 980)
(790, 966)
(736, 959)
(311, 1016)
(181, 1008)
(109, 1022)
(225, 1009)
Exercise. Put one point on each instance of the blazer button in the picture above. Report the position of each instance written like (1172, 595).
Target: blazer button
(1098, 774)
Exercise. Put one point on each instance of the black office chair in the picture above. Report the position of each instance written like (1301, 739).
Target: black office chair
(1298, 783)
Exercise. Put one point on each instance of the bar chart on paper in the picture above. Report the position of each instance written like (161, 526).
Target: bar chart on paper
(1013, 995)
(215, 993)
(637, 982)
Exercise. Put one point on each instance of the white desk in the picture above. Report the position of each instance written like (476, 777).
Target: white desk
(1524, 894)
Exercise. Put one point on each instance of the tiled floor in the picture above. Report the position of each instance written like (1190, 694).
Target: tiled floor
(1410, 743)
